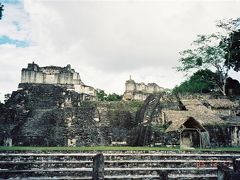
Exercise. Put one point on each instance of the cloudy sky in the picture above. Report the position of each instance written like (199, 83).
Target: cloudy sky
(105, 41)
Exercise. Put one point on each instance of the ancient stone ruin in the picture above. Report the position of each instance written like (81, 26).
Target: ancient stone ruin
(140, 91)
(61, 76)
(53, 107)
(190, 123)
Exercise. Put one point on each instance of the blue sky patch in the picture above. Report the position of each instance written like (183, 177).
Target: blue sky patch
(18, 43)
(11, 1)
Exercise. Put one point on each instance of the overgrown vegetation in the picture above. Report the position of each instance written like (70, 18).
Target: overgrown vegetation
(122, 105)
(102, 96)
(201, 81)
(218, 52)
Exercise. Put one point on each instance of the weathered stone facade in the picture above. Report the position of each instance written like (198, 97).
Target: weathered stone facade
(140, 91)
(52, 115)
(162, 120)
(48, 113)
(62, 76)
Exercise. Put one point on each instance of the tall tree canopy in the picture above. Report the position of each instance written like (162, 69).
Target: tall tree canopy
(234, 50)
(201, 81)
(212, 52)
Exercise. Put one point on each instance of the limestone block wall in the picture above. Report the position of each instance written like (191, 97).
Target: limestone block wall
(140, 96)
(63, 76)
(153, 88)
(45, 78)
(50, 75)
(79, 88)
(150, 89)
(90, 90)
(140, 91)
(141, 87)
(31, 77)
(130, 86)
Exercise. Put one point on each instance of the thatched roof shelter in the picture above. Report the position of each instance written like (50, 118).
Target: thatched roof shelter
(183, 123)
(221, 103)
(196, 110)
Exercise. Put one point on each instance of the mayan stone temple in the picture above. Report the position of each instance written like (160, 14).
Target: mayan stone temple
(60, 76)
(140, 91)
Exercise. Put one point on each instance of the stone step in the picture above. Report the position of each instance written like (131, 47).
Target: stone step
(53, 177)
(167, 164)
(115, 158)
(172, 154)
(117, 161)
(107, 170)
(88, 164)
(122, 165)
(113, 171)
(79, 160)
(192, 176)
(161, 169)
(186, 176)
(152, 177)
(155, 171)
(116, 154)
(45, 164)
(36, 172)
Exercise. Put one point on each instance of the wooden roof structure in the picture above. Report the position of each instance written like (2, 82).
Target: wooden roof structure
(196, 110)
(221, 103)
(183, 123)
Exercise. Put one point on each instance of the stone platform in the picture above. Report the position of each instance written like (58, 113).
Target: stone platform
(118, 164)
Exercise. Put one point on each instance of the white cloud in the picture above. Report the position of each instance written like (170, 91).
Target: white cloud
(106, 41)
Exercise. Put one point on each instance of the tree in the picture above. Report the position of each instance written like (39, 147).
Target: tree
(114, 97)
(211, 52)
(201, 81)
(234, 51)
(232, 42)
(1, 10)
(101, 95)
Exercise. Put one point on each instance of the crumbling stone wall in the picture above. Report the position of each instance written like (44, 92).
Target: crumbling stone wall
(116, 119)
(39, 115)
(49, 115)
(61, 76)
(50, 75)
(140, 91)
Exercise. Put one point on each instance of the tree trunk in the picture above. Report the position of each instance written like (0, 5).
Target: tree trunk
(224, 88)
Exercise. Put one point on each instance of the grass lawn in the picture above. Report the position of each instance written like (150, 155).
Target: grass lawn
(87, 148)
(110, 148)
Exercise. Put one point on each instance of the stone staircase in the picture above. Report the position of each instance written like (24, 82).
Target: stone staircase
(118, 164)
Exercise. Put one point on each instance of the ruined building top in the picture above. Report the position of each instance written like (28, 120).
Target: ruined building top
(140, 91)
(50, 75)
(62, 76)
